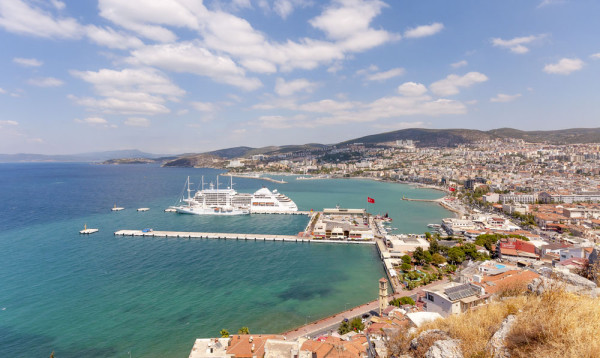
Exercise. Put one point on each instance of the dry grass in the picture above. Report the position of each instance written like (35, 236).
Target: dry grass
(554, 324)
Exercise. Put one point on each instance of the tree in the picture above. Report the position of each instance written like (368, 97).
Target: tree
(357, 325)
(434, 246)
(406, 259)
(224, 333)
(52, 354)
(419, 255)
(402, 301)
(427, 256)
(427, 235)
(456, 255)
(244, 330)
(438, 259)
(405, 267)
(344, 327)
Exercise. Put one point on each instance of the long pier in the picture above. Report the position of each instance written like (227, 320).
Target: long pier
(232, 236)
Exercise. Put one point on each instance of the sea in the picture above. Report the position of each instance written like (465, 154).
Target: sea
(102, 295)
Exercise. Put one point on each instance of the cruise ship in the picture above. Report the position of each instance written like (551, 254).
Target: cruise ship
(217, 201)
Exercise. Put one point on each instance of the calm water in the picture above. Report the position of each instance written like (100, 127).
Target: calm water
(105, 296)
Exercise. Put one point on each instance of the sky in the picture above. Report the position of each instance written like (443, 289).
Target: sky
(175, 76)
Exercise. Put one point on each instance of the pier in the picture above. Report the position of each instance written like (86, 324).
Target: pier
(425, 200)
(232, 236)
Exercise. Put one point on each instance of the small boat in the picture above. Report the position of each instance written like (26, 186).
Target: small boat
(170, 210)
(116, 208)
(143, 209)
(436, 226)
(87, 231)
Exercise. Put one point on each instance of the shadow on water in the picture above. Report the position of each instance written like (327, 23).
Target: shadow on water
(305, 291)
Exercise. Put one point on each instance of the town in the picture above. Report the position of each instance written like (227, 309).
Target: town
(527, 215)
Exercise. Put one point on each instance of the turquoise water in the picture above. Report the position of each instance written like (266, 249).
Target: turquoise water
(106, 296)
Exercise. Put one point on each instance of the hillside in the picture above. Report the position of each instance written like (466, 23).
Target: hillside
(554, 324)
(563, 136)
(453, 137)
(427, 137)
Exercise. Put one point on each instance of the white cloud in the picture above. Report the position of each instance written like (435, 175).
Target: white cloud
(27, 62)
(284, 88)
(283, 8)
(129, 91)
(280, 122)
(424, 30)
(191, 57)
(501, 97)
(565, 66)
(412, 89)
(112, 39)
(137, 122)
(517, 44)
(595, 56)
(92, 120)
(9, 123)
(2, 90)
(45, 82)
(345, 112)
(346, 23)
(59, 5)
(19, 17)
(545, 3)
(451, 84)
(386, 75)
(459, 64)
(204, 106)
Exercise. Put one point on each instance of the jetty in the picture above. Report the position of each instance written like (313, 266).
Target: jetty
(232, 236)
(256, 176)
(87, 231)
(425, 200)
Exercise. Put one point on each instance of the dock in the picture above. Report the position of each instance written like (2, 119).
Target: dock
(88, 231)
(232, 236)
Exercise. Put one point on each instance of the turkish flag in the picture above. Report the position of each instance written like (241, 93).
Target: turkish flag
(452, 189)
(370, 200)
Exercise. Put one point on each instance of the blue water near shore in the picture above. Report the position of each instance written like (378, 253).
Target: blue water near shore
(106, 296)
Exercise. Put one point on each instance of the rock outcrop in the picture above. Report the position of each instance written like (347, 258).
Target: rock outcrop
(447, 348)
(496, 346)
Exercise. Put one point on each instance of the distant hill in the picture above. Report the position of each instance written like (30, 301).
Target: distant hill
(82, 157)
(426, 137)
(562, 136)
(454, 137)
(423, 136)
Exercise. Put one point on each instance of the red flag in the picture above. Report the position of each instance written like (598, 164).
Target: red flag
(452, 189)
(370, 200)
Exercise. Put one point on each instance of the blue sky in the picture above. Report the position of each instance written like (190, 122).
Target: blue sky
(175, 76)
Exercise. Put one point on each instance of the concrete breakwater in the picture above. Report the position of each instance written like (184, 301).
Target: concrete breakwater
(232, 236)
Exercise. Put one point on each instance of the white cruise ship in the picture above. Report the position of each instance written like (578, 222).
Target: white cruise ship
(266, 201)
(229, 202)
(210, 202)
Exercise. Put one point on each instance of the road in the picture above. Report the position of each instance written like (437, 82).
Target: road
(324, 325)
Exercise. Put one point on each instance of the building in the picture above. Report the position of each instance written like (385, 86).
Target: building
(512, 247)
(452, 298)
